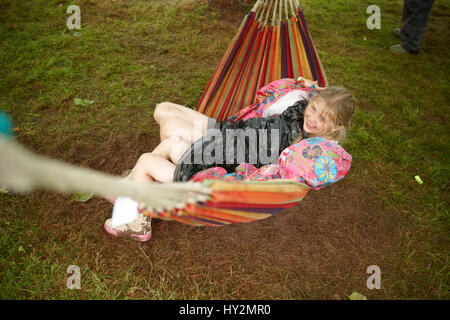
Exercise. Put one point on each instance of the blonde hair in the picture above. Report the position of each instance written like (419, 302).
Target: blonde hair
(339, 108)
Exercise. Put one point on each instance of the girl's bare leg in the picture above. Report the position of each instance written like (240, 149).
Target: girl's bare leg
(180, 127)
(171, 149)
(167, 152)
(177, 120)
(150, 168)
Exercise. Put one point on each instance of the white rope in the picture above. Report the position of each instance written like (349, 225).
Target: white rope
(258, 9)
(267, 15)
(274, 12)
(294, 11)
(292, 8)
(257, 5)
(281, 12)
(22, 171)
(286, 8)
(261, 12)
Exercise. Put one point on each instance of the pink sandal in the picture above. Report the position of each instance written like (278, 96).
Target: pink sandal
(139, 229)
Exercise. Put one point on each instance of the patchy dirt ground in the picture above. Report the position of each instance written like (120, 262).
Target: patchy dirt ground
(320, 248)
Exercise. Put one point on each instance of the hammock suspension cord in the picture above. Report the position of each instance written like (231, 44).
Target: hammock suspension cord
(279, 9)
(22, 171)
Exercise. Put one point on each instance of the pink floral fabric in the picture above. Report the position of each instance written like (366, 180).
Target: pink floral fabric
(316, 162)
(268, 95)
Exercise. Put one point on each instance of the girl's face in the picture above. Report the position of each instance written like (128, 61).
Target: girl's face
(315, 121)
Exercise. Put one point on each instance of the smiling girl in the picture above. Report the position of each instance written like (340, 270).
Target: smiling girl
(308, 151)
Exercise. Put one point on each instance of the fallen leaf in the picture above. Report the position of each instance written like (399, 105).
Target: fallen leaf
(82, 102)
(357, 296)
(81, 197)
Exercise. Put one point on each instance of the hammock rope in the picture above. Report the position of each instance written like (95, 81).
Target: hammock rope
(211, 203)
(23, 171)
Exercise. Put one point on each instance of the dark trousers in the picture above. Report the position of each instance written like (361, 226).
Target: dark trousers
(415, 17)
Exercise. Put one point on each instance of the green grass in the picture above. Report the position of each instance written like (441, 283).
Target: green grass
(132, 55)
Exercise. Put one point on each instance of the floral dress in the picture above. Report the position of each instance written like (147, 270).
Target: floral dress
(316, 162)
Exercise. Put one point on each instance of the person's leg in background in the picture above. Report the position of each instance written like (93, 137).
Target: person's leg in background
(416, 14)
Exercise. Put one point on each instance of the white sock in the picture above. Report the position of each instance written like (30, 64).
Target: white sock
(125, 210)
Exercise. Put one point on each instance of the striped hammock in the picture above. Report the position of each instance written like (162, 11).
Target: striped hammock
(272, 43)
(236, 201)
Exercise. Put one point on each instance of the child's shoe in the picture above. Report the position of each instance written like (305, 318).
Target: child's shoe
(128, 222)
(140, 229)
